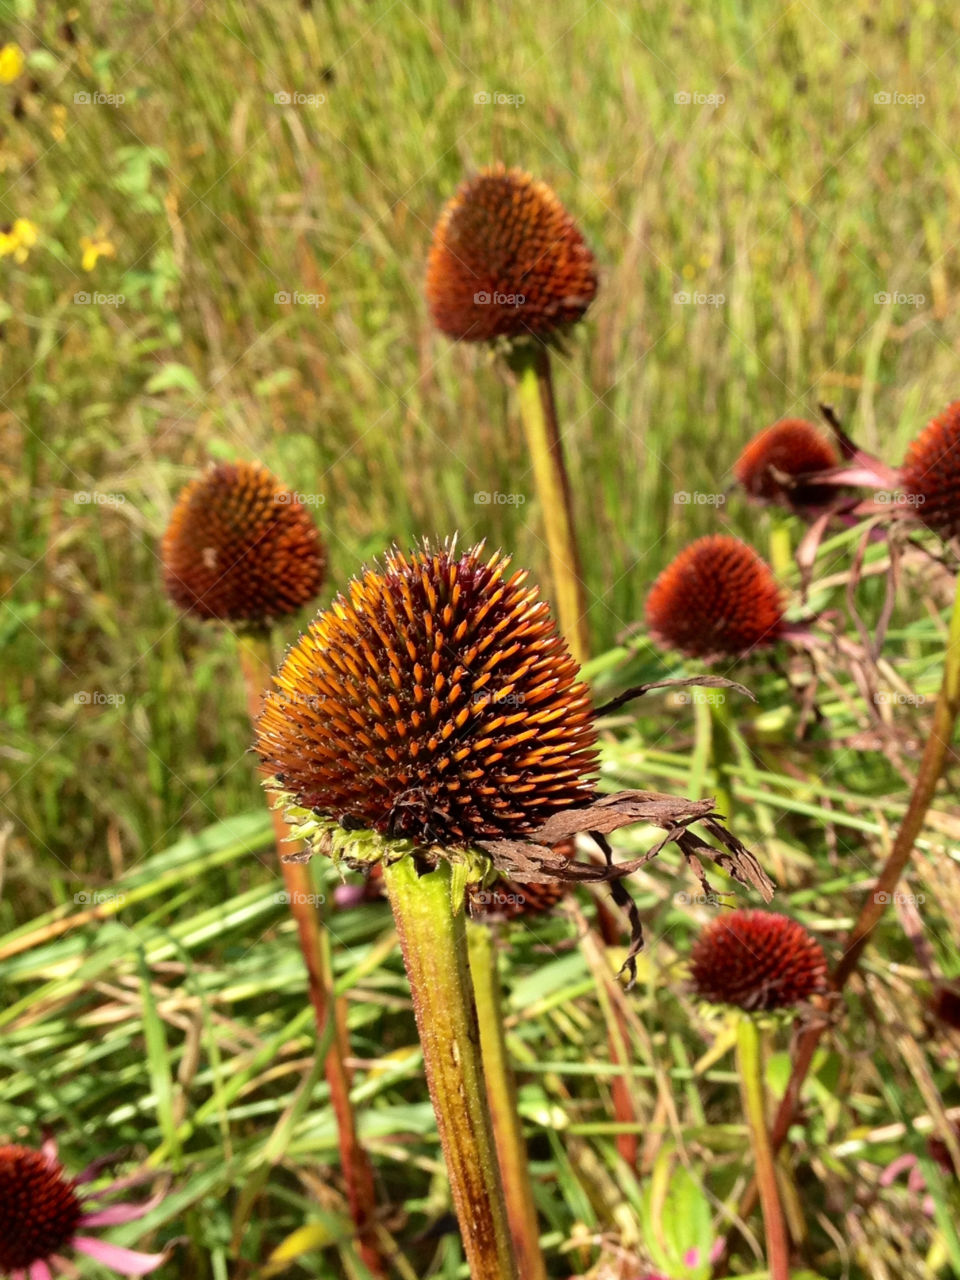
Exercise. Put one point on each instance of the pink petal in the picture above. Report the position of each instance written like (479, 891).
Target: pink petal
(40, 1271)
(18, 1275)
(126, 1261)
(117, 1213)
(49, 1149)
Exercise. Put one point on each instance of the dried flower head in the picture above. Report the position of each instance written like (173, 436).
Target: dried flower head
(772, 466)
(507, 260)
(508, 899)
(240, 547)
(718, 598)
(757, 960)
(930, 476)
(434, 700)
(42, 1213)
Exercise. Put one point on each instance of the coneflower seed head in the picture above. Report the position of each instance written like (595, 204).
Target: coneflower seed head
(930, 475)
(507, 260)
(757, 960)
(433, 700)
(718, 598)
(39, 1208)
(792, 447)
(240, 547)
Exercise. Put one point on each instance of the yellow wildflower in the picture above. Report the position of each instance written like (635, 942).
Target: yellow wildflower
(94, 248)
(11, 63)
(18, 240)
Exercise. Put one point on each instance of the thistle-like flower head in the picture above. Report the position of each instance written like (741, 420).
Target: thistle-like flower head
(507, 260)
(43, 1213)
(433, 700)
(930, 476)
(241, 548)
(757, 960)
(774, 463)
(718, 598)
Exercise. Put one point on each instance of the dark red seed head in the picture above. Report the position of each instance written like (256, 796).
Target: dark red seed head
(433, 700)
(507, 260)
(773, 464)
(240, 547)
(757, 960)
(930, 476)
(717, 599)
(39, 1208)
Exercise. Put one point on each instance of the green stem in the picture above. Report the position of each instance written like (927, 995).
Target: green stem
(781, 545)
(750, 1065)
(723, 751)
(256, 664)
(433, 938)
(530, 361)
(502, 1099)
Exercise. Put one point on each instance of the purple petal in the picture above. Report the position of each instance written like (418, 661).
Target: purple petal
(126, 1261)
(117, 1213)
(39, 1270)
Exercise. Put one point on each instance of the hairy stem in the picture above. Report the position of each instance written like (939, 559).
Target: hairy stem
(530, 361)
(255, 661)
(433, 937)
(502, 1099)
(750, 1066)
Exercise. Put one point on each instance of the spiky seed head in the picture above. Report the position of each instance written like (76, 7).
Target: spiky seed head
(39, 1208)
(433, 700)
(717, 599)
(930, 476)
(241, 548)
(794, 448)
(757, 960)
(507, 260)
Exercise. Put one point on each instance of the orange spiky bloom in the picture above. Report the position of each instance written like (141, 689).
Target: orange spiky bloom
(240, 547)
(507, 260)
(434, 700)
(717, 599)
(757, 960)
(772, 466)
(930, 476)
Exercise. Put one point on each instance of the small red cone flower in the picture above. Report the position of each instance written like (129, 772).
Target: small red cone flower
(774, 463)
(43, 1214)
(507, 260)
(434, 700)
(757, 960)
(930, 475)
(717, 599)
(240, 548)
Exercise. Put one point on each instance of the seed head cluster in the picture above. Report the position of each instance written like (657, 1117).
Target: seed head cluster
(507, 260)
(930, 475)
(718, 598)
(240, 547)
(39, 1208)
(772, 466)
(757, 960)
(434, 700)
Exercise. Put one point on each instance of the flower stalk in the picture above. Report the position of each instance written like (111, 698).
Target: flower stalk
(255, 662)
(502, 1100)
(433, 939)
(750, 1069)
(530, 362)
